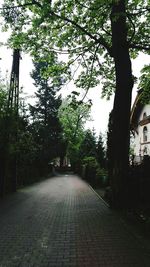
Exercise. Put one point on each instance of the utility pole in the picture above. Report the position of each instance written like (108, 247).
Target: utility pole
(13, 97)
(8, 161)
(13, 107)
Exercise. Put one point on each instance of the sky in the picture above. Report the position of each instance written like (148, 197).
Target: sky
(101, 107)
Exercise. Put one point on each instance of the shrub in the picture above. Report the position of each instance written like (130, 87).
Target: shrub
(93, 173)
(101, 177)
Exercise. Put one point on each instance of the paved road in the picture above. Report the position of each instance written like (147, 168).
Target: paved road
(62, 222)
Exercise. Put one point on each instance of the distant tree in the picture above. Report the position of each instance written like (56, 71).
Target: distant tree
(145, 84)
(73, 116)
(102, 36)
(100, 151)
(3, 105)
(45, 126)
(88, 145)
(109, 151)
(27, 157)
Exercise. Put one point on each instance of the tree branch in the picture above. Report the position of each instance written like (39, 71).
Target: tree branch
(140, 11)
(91, 72)
(67, 51)
(24, 5)
(90, 8)
(72, 77)
(77, 125)
(100, 40)
(82, 5)
(128, 16)
(145, 47)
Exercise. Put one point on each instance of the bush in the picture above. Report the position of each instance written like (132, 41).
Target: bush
(90, 161)
(90, 164)
(93, 173)
(101, 177)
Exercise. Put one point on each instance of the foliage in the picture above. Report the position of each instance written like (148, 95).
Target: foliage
(45, 126)
(3, 106)
(25, 150)
(26, 145)
(3, 101)
(90, 161)
(81, 29)
(100, 38)
(16, 149)
(88, 145)
(73, 117)
(145, 84)
(109, 152)
(96, 175)
(102, 177)
(100, 151)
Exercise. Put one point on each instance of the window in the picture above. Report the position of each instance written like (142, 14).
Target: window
(144, 115)
(145, 134)
(145, 151)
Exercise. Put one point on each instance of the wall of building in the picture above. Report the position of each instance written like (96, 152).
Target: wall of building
(142, 147)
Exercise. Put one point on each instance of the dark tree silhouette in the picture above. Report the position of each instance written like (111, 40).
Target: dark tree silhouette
(45, 122)
(88, 30)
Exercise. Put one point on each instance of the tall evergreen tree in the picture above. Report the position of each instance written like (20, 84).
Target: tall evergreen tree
(88, 145)
(89, 30)
(100, 151)
(109, 152)
(45, 122)
(3, 104)
(73, 117)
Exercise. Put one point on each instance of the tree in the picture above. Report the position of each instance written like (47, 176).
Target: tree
(88, 145)
(10, 125)
(73, 117)
(3, 105)
(114, 30)
(109, 152)
(45, 125)
(145, 84)
(100, 151)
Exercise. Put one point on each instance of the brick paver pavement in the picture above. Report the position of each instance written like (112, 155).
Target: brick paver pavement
(62, 222)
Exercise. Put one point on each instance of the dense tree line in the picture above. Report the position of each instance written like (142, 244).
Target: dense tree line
(38, 134)
(101, 37)
(47, 130)
(92, 161)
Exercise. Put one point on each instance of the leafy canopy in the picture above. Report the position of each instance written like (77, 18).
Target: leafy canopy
(79, 29)
(44, 113)
(73, 118)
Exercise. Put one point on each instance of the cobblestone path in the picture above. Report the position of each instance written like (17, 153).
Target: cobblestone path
(62, 222)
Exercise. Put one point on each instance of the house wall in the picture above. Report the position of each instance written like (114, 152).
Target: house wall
(142, 147)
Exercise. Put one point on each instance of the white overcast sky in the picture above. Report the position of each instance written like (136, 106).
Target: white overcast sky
(101, 107)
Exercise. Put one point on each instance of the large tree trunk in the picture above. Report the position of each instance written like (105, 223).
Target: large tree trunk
(122, 105)
(2, 174)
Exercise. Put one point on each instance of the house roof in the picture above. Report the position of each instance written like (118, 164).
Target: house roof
(136, 110)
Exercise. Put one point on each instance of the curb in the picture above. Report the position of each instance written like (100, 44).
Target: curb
(144, 245)
(108, 206)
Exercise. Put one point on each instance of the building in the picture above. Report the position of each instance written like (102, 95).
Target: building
(140, 127)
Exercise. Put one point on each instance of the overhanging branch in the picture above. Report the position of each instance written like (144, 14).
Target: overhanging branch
(99, 40)
(128, 16)
(91, 72)
(140, 11)
(24, 5)
(145, 47)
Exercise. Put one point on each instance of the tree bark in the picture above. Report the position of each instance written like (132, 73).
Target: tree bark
(2, 175)
(122, 105)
